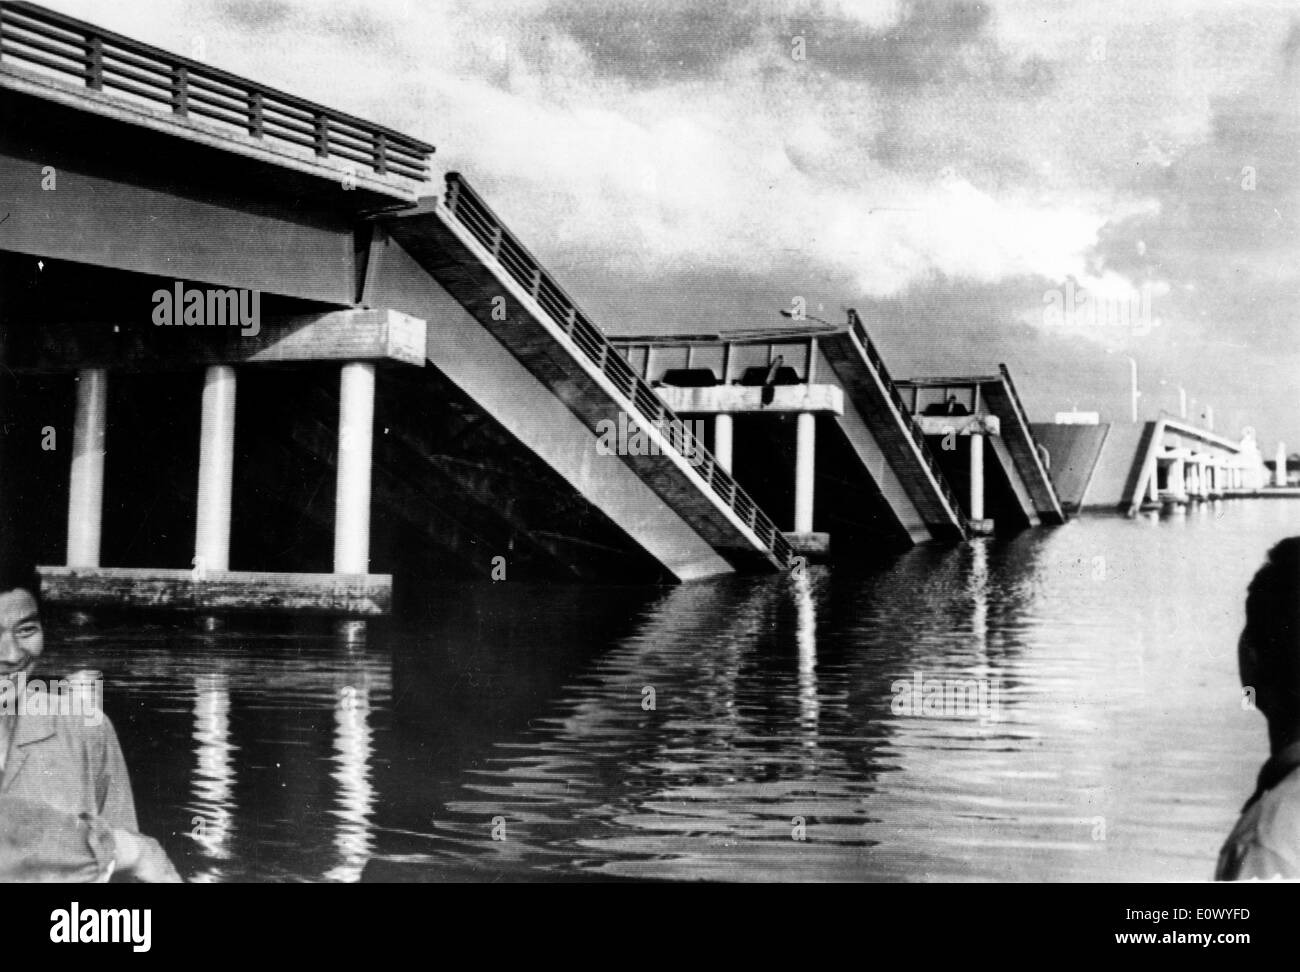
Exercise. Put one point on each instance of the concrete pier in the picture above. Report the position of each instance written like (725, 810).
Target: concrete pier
(216, 470)
(355, 459)
(723, 439)
(977, 477)
(805, 468)
(86, 477)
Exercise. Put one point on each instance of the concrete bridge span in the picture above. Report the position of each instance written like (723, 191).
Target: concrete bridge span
(813, 424)
(983, 436)
(391, 370)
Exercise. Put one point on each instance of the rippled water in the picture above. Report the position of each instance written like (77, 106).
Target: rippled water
(741, 729)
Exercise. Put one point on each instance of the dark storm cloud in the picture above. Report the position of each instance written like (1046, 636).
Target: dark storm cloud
(256, 14)
(933, 41)
(648, 41)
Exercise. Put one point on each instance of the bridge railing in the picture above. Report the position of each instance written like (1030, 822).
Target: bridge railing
(73, 50)
(1028, 426)
(474, 214)
(859, 331)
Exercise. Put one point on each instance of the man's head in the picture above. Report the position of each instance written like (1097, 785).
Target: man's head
(1269, 649)
(22, 638)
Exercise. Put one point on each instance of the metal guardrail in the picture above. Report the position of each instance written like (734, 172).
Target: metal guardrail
(859, 330)
(1023, 415)
(103, 61)
(474, 214)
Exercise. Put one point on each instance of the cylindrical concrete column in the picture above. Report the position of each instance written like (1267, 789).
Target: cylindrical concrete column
(86, 484)
(1153, 482)
(356, 447)
(805, 455)
(723, 427)
(216, 469)
(1177, 478)
(977, 476)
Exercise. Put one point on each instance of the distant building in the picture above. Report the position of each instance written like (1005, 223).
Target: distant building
(1292, 469)
(1078, 418)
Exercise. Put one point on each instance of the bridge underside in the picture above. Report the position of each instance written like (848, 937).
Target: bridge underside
(863, 475)
(480, 466)
(954, 411)
(1006, 502)
(546, 390)
(454, 495)
(1176, 462)
(849, 505)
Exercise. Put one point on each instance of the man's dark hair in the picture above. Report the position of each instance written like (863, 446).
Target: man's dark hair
(17, 571)
(1272, 634)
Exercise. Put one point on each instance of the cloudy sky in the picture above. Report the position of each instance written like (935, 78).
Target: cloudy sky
(954, 170)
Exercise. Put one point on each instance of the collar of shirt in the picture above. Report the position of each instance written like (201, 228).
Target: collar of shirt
(33, 728)
(1279, 766)
(25, 731)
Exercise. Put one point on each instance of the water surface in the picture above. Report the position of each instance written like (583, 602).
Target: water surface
(739, 729)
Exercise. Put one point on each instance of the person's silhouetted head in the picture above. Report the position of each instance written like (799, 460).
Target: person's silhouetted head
(1269, 649)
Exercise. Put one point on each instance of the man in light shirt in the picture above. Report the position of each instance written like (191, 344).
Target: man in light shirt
(64, 791)
(39, 844)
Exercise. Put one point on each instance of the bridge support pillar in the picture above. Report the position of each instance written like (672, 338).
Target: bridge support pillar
(86, 492)
(355, 455)
(723, 434)
(977, 476)
(216, 469)
(804, 471)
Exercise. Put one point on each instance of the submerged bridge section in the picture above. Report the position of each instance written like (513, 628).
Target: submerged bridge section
(812, 423)
(970, 420)
(1177, 463)
(252, 351)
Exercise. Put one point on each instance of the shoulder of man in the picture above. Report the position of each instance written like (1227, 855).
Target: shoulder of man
(1266, 841)
(1279, 816)
(90, 729)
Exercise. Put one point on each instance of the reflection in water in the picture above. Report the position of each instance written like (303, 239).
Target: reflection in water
(214, 775)
(741, 728)
(806, 640)
(356, 796)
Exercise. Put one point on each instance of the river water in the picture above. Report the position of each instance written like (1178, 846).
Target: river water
(748, 729)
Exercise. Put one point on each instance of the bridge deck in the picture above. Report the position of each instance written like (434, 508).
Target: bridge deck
(75, 63)
(996, 395)
(869, 411)
(462, 245)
